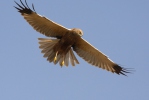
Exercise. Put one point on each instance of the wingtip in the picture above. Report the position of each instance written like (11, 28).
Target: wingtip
(24, 8)
(120, 70)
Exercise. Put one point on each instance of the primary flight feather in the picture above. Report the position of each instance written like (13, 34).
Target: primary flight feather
(60, 50)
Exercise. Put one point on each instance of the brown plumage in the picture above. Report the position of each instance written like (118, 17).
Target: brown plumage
(60, 50)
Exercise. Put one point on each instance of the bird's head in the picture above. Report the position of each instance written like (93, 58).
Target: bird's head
(77, 31)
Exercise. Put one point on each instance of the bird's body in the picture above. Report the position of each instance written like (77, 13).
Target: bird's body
(66, 42)
(60, 50)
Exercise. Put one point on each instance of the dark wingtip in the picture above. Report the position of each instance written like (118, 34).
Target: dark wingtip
(120, 70)
(24, 8)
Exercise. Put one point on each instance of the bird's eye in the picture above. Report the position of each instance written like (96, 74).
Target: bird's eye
(81, 33)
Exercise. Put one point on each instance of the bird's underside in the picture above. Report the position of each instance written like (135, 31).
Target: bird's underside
(60, 50)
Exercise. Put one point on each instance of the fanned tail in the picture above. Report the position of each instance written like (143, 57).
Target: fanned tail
(47, 49)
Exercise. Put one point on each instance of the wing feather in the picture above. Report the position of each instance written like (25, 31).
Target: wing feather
(95, 57)
(41, 23)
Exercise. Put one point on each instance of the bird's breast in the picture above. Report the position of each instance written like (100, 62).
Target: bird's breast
(65, 43)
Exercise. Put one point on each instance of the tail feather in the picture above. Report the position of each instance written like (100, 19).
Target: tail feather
(73, 56)
(48, 53)
(72, 61)
(47, 48)
(66, 59)
(51, 57)
(48, 45)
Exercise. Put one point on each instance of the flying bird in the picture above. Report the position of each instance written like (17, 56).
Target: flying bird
(63, 42)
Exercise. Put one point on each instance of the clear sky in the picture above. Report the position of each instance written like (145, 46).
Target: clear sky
(119, 28)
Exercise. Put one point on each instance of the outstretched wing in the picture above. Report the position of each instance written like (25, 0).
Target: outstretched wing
(41, 23)
(95, 57)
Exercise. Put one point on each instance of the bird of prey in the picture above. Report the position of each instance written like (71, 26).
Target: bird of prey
(59, 48)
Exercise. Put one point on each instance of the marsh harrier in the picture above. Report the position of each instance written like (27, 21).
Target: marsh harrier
(59, 49)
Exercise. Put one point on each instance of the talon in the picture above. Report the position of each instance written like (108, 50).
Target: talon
(55, 58)
(62, 64)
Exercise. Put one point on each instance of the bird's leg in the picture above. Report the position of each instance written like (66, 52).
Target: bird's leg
(55, 58)
(62, 63)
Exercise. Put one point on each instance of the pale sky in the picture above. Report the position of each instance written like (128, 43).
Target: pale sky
(118, 28)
